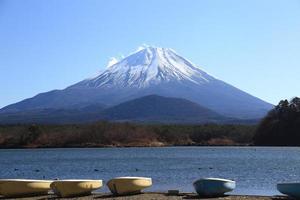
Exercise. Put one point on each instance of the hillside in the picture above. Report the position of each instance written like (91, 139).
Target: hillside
(54, 116)
(154, 108)
(281, 127)
(148, 109)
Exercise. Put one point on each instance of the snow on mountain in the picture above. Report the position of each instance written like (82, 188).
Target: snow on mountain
(147, 67)
(150, 71)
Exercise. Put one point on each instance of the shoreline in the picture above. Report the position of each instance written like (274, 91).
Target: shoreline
(153, 196)
(126, 147)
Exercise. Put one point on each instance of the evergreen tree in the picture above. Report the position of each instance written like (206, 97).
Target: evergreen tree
(281, 127)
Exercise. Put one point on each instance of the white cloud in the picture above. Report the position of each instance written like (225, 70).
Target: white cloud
(143, 46)
(140, 48)
(112, 61)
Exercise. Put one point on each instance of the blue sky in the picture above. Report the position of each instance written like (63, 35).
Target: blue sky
(253, 45)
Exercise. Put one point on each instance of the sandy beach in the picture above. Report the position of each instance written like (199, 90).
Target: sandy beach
(154, 196)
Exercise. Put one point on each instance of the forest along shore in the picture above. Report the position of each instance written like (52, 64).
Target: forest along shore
(156, 196)
(110, 134)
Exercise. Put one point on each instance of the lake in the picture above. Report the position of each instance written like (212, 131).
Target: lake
(255, 169)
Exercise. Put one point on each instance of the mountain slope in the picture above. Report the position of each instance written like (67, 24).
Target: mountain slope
(151, 70)
(53, 116)
(150, 108)
(156, 108)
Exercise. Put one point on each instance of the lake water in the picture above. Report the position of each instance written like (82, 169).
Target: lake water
(256, 170)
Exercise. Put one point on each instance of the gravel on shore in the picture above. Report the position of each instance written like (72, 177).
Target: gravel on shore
(153, 196)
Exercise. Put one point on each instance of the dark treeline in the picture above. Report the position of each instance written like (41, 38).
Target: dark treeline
(106, 134)
(281, 127)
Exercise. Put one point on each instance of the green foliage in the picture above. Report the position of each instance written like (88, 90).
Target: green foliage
(281, 127)
(105, 134)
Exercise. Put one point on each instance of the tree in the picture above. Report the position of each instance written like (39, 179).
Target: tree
(281, 126)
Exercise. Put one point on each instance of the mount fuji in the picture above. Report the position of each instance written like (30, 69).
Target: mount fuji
(149, 71)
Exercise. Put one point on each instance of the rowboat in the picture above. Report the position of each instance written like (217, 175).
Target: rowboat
(290, 189)
(213, 187)
(128, 185)
(23, 187)
(75, 187)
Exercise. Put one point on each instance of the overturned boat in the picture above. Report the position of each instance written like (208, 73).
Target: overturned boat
(290, 189)
(75, 187)
(24, 187)
(128, 185)
(213, 187)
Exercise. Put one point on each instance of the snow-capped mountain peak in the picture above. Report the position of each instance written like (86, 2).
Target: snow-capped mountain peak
(148, 71)
(146, 67)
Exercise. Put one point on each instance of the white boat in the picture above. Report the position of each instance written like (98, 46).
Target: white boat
(75, 187)
(290, 189)
(23, 187)
(128, 185)
(213, 187)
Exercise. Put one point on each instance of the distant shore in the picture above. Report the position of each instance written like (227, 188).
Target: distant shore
(108, 134)
(156, 196)
(124, 146)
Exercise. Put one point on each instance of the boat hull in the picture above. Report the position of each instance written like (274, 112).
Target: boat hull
(213, 186)
(290, 189)
(128, 185)
(23, 187)
(70, 188)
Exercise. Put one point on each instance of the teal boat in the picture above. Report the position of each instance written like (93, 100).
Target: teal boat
(290, 189)
(213, 187)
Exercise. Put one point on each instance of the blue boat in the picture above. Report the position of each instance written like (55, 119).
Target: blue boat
(290, 189)
(213, 187)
